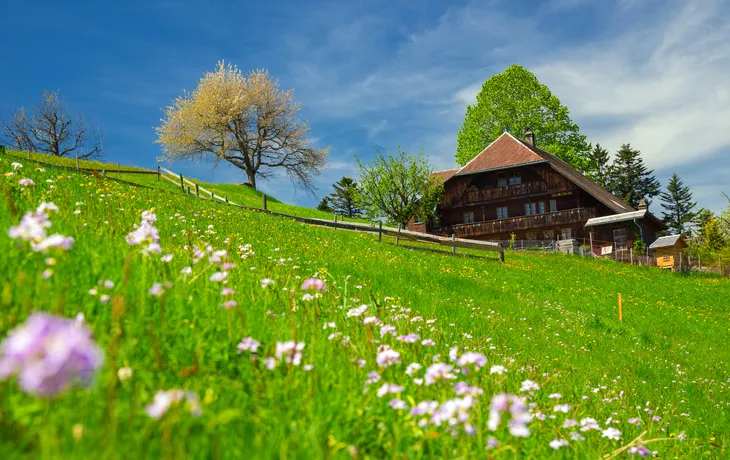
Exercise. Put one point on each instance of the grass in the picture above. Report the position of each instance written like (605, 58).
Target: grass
(544, 317)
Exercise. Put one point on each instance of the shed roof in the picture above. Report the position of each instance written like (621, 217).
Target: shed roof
(624, 217)
(446, 174)
(668, 241)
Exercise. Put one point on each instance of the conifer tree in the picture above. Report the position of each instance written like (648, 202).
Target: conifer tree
(678, 205)
(632, 180)
(344, 200)
(599, 166)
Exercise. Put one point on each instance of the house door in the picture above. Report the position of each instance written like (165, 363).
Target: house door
(619, 239)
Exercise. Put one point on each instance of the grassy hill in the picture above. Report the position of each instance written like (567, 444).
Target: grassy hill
(545, 324)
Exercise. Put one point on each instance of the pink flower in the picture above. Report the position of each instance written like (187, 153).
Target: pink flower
(313, 284)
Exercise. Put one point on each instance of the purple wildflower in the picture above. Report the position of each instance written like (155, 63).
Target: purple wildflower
(520, 417)
(165, 399)
(313, 284)
(640, 450)
(248, 344)
(387, 358)
(48, 354)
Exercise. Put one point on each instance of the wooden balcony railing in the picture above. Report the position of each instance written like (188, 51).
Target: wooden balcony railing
(509, 191)
(552, 219)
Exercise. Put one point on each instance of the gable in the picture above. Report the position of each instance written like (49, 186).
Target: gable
(504, 152)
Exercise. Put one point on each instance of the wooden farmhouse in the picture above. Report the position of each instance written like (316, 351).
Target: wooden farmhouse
(513, 187)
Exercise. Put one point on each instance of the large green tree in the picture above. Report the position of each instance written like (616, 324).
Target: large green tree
(599, 166)
(632, 181)
(678, 205)
(513, 101)
(399, 187)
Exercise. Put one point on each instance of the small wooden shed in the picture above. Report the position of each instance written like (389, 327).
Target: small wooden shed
(668, 251)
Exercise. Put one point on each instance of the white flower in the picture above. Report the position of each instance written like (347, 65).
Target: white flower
(124, 373)
(558, 443)
(611, 433)
(497, 370)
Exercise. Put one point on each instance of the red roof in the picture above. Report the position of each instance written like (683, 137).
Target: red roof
(446, 174)
(504, 152)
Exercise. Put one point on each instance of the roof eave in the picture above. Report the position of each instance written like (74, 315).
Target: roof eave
(500, 168)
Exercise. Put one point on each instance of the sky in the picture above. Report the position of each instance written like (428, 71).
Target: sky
(376, 73)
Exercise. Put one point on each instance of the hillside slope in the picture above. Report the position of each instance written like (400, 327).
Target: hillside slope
(546, 325)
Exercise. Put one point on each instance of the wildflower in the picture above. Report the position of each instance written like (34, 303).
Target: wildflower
(471, 357)
(387, 358)
(570, 423)
(248, 344)
(555, 396)
(146, 233)
(313, 284)
(47, 273)
(424, 407)
(48, 354)
(387, 329)
(454, 353)
(640, 450)
(109, 284)
(428, 343)
(329, 325)
(463, 388)
(388, 388)
(587, 424)
(635, 421)
(104, 298)
(492, 443)
(564, 408)
(413, 368)
(32, 228)
(497, 370)
(398, 404)
(529, 385)
(575, 436)
(371, 320)
(186, 271)
(166, 258)
(16, 165)
(373, 377)
(334, 335)
(308, 367)
(156, 290)
(53, 241)
(124, 373)
(361, 363)
(558, 443)
(163, 400)
(518, 411)
(358, 311)
(290, 351)
(437, 372)
(228, 304)
(307, 297)
(410, 338)
(452, 412)
(218, 277)
(26, 182)
(266, 282)
(93, 292)
(656, 418)
(270, 363)
(611, 433)
(227, 291)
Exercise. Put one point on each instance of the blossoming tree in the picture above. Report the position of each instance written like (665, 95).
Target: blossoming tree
(246, 120)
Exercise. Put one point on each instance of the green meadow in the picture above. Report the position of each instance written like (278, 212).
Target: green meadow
(546, 324)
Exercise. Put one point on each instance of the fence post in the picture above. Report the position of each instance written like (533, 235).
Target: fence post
(631, 255)
(397, 238)
(103, 173)
(188, 190)
(197, 190)
(182, 183)
(158, 172)
(380, 232)
(226, 199)
(501, 255)
(119, 168)
(453, 243)
(263, 201)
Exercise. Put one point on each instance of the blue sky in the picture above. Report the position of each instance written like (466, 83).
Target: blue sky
(652, 73)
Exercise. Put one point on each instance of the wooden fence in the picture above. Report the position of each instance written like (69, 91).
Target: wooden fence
(192, 188)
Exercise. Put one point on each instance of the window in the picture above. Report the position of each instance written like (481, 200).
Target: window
(553, 206)
(566, 234)
(502, 212)
(469, 217)
(515, 178)
(549, 234)
(619, 239)
(502, 180)
(531, 236)
(530, 209)
(542, 207)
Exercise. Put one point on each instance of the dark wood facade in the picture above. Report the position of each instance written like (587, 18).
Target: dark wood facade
(516, 189)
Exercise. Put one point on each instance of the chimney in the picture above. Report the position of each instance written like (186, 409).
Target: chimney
(529, 137)
(643, 205)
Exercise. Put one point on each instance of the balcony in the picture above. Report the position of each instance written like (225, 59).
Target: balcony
(547, 220)
(499, 193)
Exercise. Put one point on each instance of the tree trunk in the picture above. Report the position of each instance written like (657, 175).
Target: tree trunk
(251, 179)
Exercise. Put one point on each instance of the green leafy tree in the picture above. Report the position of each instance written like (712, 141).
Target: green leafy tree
(632, 181)
(399, 187)
(599, 166)
(714, 236)
(513, 101)
(345, 199)
(679, 207)
(324, 205)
